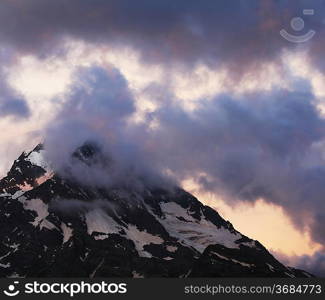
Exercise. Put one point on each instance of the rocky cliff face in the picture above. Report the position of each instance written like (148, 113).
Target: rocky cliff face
(54, 227)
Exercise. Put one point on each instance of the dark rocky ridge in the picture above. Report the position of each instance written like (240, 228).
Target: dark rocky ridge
(54, 227)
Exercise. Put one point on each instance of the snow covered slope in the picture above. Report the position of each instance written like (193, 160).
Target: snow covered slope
(54, 227)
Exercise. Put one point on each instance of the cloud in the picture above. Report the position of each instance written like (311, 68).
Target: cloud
(314, 264)
(238, 34)
(14, 107)
(262, 145)
(96, 115)
(11, 103)
(96, 106)
(257, 146)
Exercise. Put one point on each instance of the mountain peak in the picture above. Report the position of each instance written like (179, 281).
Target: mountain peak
(87, 151)
(112, 232)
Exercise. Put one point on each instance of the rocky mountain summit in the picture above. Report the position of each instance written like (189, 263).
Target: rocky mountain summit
(54, 227)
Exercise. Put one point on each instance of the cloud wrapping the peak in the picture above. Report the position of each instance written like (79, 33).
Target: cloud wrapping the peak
(96, 113)
(96, 106)
(262, 145)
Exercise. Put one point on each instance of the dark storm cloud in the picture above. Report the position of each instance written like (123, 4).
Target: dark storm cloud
(241, 34)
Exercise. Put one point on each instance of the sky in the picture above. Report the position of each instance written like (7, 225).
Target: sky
(205, 94)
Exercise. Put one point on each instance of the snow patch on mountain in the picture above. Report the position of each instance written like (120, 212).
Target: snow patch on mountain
(41, 210)
(37, 158)
(98, 221)
(171, 248)
(142, 238)
(218, 255)
(174, 230)
(18, 194)
(5, 195)
(270, 267)
(135, 274)
(250, 244)
(7, 265)
(173, 209)
(67, 232)
(195, 233)
(244, 264)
